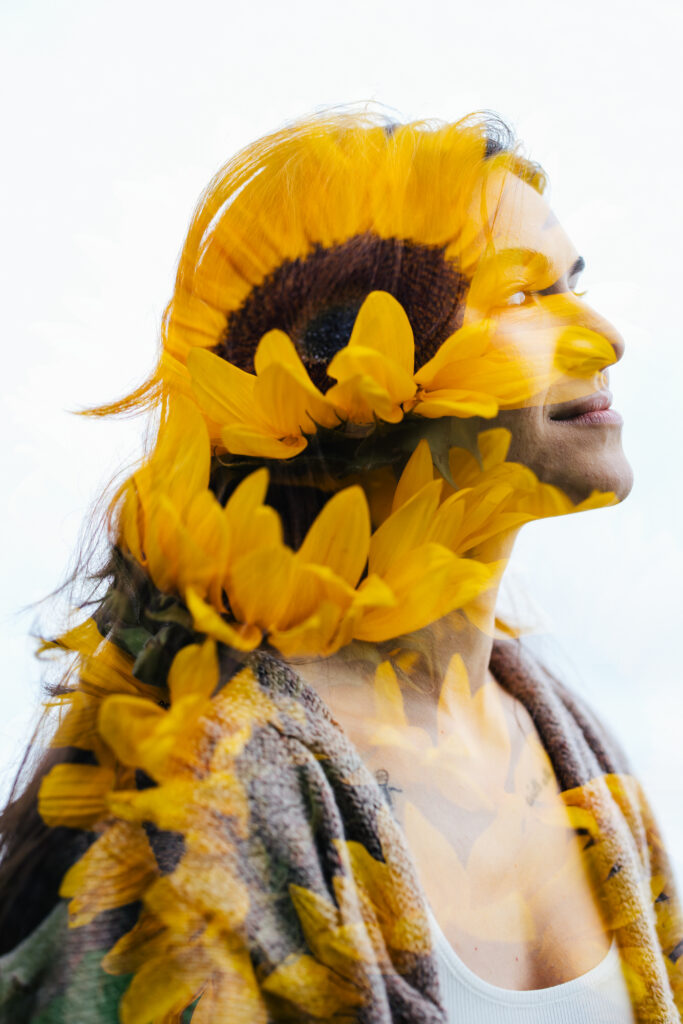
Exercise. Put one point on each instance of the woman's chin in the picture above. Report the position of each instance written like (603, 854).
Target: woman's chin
(614, 474)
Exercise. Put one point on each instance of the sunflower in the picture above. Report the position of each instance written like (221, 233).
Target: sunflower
(272, 413)
(344, 273)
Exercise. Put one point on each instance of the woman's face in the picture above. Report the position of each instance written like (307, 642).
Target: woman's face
(575, 442)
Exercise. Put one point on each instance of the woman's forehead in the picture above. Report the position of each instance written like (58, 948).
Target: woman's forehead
(518, 217)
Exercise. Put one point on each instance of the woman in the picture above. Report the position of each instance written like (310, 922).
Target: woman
(298, 775)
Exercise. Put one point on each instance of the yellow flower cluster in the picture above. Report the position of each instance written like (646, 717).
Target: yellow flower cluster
(242, 583)
(271, 414)
(316, 187)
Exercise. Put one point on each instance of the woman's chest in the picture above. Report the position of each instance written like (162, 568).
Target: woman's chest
(495, 851)
(507, 886)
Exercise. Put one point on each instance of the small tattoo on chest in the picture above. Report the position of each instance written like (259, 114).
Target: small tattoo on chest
(535, 787)
(382, 777)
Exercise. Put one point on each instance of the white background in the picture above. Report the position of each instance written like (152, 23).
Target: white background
(115, 117)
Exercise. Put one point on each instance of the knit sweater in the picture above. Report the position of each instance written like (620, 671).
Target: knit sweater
(328, 918)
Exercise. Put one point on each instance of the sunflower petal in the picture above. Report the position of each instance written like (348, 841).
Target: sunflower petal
(381, 382)
(246, 440)
(260, 589)
(207, 620)
(339, 537)
(388, 700)
(74, 795)
(194, 670)
(224, 392)
(452, 402)
(114, 871)
(418, 471)
(312, 636)
(404, 529)
(289, 405)
(467, 343)
(382, 325)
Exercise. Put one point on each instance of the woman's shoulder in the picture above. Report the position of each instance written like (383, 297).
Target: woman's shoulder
(579, 742)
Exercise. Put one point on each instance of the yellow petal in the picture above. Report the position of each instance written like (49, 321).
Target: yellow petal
(455, 693)
(207, 620)
(381, 382)
(233, 995)
(249, 495)
(182, 457)
(84, 638)
(345, 947)
(175, 558)
(428, 582)
(185, 804)
(373, 592)
(126, 723)
(597, 499)
(252, 524)
(417, 580)
(388, 699)
(164, 987)
(581, 352)
(146, 939)
(276, 348)
(405, 528)
(207, 525)
(290, 406)
(192, 323)
(418, 471)
(313, 989)
(116, 870)
(382, 325)
(339, 537)
(467, 343)
(465, 470)
(449, 522)
(246, 440)
(74, 795)
(224, 392)
(434, 404)
(78, 727)
(361, 400)
(194, 670)
(315, 635)
(131, 523)
(260, 586)
(493, 446)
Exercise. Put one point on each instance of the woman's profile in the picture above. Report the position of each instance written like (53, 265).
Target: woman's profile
(300, 770)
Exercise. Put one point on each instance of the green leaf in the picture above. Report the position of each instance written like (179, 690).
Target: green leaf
(133, 639)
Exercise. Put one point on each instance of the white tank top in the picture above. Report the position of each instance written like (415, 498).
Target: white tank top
(599, 996)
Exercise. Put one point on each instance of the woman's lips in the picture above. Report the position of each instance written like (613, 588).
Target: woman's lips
(593, 409)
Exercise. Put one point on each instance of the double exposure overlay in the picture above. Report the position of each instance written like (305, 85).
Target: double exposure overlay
(278, 767)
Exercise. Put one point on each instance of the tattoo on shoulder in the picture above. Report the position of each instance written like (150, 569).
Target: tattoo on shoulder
(382, 777)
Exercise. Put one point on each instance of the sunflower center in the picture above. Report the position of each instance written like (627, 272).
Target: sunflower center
(329, 331)
(315, 300)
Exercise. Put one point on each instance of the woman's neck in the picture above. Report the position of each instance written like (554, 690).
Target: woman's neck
(419, 661)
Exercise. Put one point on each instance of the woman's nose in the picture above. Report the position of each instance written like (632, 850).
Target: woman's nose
(601, 325)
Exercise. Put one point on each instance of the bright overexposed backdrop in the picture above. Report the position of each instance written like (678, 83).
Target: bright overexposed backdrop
(116, 116)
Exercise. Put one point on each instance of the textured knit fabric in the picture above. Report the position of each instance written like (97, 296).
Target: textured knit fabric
(337, 927)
